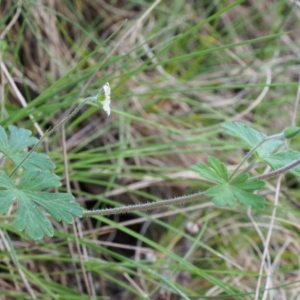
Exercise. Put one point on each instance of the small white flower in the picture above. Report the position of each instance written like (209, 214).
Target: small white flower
(98, 99)
(106, 102)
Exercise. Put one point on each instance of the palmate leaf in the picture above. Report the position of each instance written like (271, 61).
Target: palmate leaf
(240, 189)
(19, 139)
(216, 173)
(251, 137)
(13, 148)
(30, 199)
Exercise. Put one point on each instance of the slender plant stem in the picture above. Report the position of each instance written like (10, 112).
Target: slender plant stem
(145, 206)
(280, 171)
(263, 140)
(49, 132)
(247, 156)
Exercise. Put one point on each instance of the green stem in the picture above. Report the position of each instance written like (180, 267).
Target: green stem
(49, 132)
(281, 170)
(145, 206)
(275, 136)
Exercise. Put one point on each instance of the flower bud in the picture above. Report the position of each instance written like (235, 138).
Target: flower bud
(291, 132)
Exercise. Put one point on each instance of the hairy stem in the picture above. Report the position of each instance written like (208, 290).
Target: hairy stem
(280, 171)
(145, 206)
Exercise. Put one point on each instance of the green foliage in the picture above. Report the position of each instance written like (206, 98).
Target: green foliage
(36, 176)
(251, 137)
(217, 173)
(19, 140)
(268, 151)
(229, 192)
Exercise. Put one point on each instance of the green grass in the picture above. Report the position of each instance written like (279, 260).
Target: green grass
(186, 67)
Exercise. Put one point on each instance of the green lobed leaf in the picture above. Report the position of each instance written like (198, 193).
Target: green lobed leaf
(216, 173)
(37, 180)
(5, 181)
(19, 140)
(251, 137)
(219, 167)
(228, 194)
(240, 189)
(29, 217)
(249, 199)
(36, 161)
(207, 172)
(240, 179)
(222, 195)
(6, 200)
(3, 141)
(243, 182)
(59, 205)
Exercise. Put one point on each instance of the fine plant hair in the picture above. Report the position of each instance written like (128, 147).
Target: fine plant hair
(33, 173)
